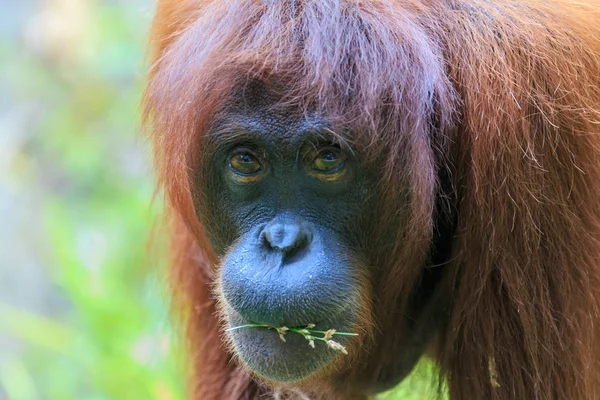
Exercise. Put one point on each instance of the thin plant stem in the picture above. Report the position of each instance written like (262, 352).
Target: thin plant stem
(249, 326)
(297, 330)
(336, 333)
(307, 333)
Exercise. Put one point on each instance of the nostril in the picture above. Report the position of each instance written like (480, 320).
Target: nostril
(286, 237)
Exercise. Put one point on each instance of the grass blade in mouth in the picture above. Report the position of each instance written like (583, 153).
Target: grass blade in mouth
(307, 332)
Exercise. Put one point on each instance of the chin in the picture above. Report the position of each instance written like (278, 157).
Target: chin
(266, 355)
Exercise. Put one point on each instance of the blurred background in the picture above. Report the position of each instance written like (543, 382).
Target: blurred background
(83, 313)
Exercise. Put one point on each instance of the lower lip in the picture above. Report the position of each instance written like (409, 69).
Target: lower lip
(264, 352)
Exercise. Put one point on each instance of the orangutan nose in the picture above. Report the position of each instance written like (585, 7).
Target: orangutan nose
(286, 235)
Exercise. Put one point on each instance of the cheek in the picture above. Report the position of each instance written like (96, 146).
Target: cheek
(356, 218)
(222, 215)
(228, 210)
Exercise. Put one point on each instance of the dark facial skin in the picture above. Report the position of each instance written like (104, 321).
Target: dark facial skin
(289, 212)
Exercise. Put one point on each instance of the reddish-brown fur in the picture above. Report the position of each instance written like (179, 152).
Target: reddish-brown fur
(515, 89)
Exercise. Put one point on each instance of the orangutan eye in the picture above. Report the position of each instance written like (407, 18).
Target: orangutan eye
(328, 160)
(245, 163)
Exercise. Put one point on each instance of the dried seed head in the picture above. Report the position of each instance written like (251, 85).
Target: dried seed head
(281, 331)
(336, 346)
(329, 334)
(310, 326)
(311, 342)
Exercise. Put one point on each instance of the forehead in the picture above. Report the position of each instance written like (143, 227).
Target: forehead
(257, 113)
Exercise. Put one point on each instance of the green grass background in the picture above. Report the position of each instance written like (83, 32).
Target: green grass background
(76, 170)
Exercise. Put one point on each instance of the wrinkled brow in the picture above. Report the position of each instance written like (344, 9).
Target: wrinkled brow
(231, 128)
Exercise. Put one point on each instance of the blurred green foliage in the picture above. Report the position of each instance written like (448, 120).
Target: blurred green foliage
(88, 162)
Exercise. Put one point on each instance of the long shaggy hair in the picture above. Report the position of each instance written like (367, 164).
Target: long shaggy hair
(488, 111)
